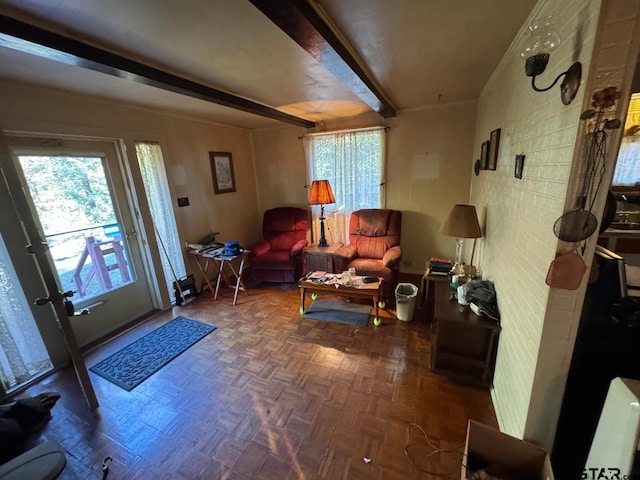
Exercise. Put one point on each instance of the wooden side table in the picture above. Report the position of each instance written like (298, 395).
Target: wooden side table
(428, 287)
(317, 258)
(463, 344)
(428, 293)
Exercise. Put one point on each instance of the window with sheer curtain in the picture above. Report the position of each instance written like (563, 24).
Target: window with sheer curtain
(353, 162)
(158, 197)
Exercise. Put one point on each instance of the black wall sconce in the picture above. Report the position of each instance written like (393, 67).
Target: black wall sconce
(543, 39)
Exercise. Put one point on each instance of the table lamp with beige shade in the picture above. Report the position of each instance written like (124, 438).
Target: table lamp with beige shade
(461, 223)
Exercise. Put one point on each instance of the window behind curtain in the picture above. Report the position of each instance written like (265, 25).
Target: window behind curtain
(353, 162)
(627, 172)
(158, 197)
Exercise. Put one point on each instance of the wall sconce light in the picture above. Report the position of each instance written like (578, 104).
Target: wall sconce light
(543, 39)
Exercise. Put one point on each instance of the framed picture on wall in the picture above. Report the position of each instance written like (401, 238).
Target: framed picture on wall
(494, 143)
(519, 166)
(484, 155)
(222, 171)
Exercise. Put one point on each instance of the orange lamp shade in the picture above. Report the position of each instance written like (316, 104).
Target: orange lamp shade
(321, 193)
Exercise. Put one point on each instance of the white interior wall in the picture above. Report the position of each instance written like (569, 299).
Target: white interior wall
(615, 50)
(185, 142)
(428, 170)
(517, 216)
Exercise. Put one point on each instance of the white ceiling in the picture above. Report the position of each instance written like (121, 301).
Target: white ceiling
(419, 52)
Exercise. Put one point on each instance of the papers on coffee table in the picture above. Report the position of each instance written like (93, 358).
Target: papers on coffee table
(338, 279)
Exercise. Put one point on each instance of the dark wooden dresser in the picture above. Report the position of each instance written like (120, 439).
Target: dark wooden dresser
(463, 344)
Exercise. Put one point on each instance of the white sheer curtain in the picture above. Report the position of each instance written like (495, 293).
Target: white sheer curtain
(22, 351)
(353, 161)
(158, 196)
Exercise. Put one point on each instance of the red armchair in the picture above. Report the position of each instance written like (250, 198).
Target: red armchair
(374, 246)
(278, 256)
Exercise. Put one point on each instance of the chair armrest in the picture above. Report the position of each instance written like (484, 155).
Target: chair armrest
(260, 248)
(342, 257)
(392, 256)
(346, 253)
(298, 247)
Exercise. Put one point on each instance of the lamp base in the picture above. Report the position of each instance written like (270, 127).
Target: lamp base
(457, 269)
(323, 241)
(458, 266)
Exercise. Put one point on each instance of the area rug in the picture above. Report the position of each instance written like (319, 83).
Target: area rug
(136, 362)
(340, 311)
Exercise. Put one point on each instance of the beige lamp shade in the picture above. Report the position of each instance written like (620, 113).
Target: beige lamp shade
(462, 222)
(321, 193)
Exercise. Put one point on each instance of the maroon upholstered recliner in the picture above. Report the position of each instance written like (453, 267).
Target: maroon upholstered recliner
(278, 256)
(374, 246)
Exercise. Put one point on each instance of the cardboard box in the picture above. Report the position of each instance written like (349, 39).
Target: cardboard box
(503, 456)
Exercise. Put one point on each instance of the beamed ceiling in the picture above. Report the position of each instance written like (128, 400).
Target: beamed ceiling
(259, 63)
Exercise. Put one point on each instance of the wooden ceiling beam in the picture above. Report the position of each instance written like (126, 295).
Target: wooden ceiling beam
(299, 20)
(33, 40)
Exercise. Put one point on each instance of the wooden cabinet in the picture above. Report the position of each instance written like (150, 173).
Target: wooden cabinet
(463, 344)
(316, 258)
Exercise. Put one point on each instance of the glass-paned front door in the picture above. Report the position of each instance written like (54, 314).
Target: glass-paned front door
(71, 195)
(78, 193)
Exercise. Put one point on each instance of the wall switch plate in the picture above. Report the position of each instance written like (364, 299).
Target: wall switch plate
(183, 201)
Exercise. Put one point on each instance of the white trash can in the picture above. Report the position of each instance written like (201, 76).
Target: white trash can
(406, 294)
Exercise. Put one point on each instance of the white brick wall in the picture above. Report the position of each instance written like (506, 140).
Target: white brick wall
(613, 63)
(540, 324)
(518, 215)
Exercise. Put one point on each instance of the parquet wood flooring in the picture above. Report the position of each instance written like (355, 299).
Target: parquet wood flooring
(271, 395)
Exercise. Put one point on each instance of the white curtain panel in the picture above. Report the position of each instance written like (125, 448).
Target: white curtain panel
(158, 196)
(22, 352)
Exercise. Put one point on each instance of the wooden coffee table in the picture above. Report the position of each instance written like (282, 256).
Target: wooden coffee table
(371, 290)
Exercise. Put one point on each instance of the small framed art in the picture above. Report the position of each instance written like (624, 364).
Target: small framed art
(484, 155)
(519, 166)
(222, 171)
(494, 143)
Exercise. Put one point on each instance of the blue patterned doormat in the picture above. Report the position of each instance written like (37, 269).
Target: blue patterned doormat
(136, 362)
(340, 311)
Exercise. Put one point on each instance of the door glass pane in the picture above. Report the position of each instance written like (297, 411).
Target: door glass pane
(23, 355)
(73, 201)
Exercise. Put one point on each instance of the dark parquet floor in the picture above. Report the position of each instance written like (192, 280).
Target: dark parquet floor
(271, 395)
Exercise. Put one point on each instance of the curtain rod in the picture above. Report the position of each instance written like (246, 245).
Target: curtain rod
(348, 130)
